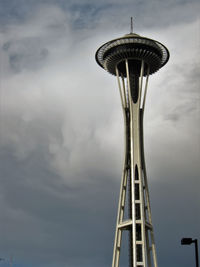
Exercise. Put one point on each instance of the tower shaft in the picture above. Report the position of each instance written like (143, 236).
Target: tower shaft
(134, 194)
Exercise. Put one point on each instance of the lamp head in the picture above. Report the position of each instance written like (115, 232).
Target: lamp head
(186, 241)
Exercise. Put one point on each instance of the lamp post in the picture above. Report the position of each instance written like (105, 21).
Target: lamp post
(189, 241)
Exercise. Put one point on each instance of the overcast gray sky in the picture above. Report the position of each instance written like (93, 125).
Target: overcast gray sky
(61, 130)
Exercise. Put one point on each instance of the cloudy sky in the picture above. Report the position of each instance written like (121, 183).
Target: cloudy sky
(61, 130)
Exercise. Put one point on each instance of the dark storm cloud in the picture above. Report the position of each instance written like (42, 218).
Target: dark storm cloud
(43, 218)
(89, 13)
(25, 54)
(61, 130)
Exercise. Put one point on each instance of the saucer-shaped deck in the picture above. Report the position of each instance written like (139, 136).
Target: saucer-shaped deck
(133, 48)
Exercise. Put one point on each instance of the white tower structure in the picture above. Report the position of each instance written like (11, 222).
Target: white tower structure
(132, 58)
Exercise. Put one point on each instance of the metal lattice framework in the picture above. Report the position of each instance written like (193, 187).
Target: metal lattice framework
(132, 59)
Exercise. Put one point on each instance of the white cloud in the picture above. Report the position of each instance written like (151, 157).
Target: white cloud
(69, 95)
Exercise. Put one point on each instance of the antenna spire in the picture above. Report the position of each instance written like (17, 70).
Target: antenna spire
(131, 24)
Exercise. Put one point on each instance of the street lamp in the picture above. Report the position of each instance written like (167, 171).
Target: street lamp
(189, 241)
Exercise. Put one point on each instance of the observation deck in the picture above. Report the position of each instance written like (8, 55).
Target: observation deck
(134, 48)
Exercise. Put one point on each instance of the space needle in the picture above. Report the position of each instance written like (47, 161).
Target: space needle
(132, 59)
